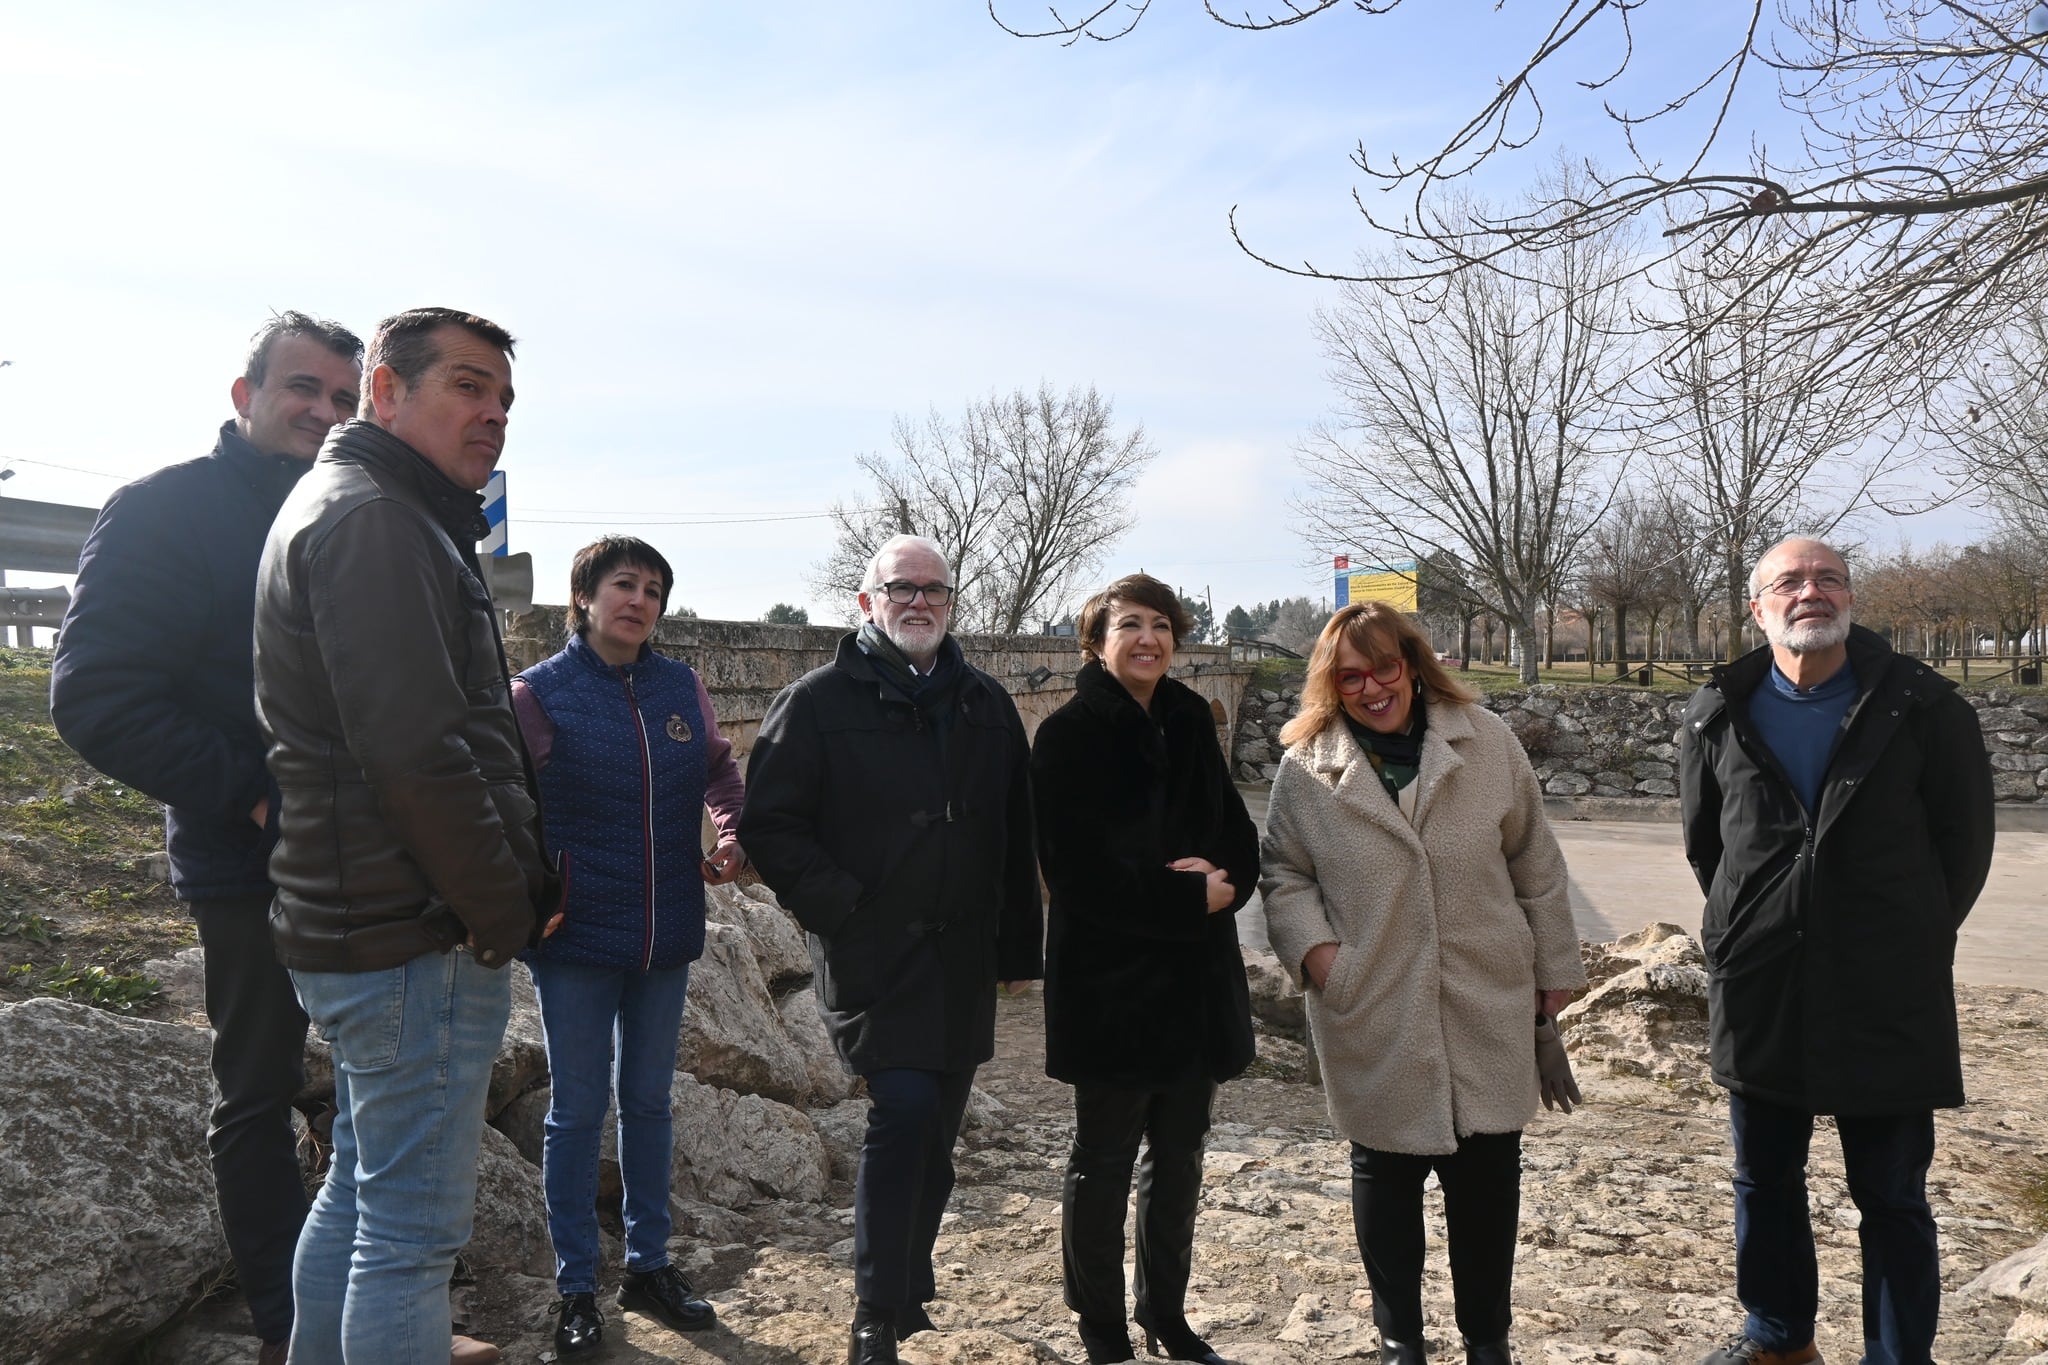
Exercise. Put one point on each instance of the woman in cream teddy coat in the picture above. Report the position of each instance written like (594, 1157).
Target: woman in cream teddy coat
(1413, 883)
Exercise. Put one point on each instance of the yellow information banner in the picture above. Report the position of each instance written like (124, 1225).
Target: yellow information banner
(1394, 584)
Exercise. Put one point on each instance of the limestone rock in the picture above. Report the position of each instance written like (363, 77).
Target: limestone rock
(2022, 1277)
(779, 944)
(1275, 997)
(1568, 784)
(107, 1225)
(841, 1129)
(182, 978)
(732, 1036)
(522, 1060)
(798, 1011)
(511, 1230)
(733, 1149)
(1650, 1018)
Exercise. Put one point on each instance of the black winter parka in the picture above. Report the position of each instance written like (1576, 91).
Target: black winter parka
(905, 854)
(1144, 987)
(1830, 935)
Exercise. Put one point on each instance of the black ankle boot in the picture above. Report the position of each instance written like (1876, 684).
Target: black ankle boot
(1492, 1353)
(1174, 1339)
(1402, 1352)
(1104, 1341)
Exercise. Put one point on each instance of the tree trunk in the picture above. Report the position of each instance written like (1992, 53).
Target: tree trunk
(1525, 633)
(1621, 639)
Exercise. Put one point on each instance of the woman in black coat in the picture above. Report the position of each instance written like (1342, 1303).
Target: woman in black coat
(1148, 853)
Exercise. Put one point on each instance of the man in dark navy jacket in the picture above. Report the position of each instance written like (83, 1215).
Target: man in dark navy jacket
(1838, 813)
(153, 685)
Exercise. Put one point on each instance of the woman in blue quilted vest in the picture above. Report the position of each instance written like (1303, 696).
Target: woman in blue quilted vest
(629, 758)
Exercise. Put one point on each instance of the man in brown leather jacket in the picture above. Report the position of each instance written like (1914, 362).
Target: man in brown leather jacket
(409, 865)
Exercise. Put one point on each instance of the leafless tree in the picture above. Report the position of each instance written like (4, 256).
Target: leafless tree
(1757, 435)
(1025, 492)
(1690, 565)
(1993, 425)
(1480, 427)
(1621, 566)
(1909, 208)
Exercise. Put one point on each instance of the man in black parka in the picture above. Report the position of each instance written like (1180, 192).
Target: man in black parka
(153, 685)
(1838, 814)
(889, 807)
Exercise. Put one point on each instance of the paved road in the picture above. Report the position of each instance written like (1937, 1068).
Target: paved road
(1625, 876)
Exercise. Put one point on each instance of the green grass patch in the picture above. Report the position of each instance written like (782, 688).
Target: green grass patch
(26, 924)
(1271, 674)
(93, 984)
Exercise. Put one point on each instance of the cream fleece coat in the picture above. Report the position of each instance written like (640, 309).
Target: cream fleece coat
(1446, 928)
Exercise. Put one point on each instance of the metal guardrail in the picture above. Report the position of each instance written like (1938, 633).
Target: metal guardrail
(42, 537)
(33, 607)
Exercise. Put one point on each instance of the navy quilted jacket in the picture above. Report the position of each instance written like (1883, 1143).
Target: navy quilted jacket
(623, 791)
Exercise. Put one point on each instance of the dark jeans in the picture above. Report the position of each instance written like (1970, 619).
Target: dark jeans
(1482, 1185)
(259, 1048)
(906, 1176)
(1775, 1274)
(1108, 1125)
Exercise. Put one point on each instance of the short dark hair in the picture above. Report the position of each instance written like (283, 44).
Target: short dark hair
(1141, 589)
(596, 561)
(292, 323)
(404, 341)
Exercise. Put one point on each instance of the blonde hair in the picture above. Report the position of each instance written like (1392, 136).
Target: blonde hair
(1376, 631)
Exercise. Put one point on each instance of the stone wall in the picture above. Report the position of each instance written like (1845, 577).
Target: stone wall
(1621, 742)
(745, 663)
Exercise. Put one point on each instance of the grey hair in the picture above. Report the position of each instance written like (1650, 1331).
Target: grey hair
(1756, 572)
(872, 579)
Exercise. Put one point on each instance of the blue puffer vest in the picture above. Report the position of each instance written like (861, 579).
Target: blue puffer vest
(624, 794)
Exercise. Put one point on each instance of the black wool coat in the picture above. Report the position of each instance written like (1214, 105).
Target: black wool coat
(1830, 934)
(904, 852)
(1143, 987)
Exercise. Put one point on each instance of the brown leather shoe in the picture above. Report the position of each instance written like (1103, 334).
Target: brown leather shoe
(470, 1351)
(1743, 1351)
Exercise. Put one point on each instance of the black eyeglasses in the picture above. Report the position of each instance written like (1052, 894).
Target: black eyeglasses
(935, 594)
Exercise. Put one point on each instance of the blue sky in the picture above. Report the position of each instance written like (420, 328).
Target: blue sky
(735, 240)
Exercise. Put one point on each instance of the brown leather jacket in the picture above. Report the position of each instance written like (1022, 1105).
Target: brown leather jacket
(407, 823)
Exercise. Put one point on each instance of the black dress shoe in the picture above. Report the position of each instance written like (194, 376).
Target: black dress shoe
(1174, 1339)
(665, 1295)
(1104, 1341)
(578, 1328)
(1402, 1352)
(1491, 1353)
(873, 1343)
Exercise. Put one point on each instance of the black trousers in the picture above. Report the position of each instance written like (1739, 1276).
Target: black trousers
(1108, 1125)
(259, 1048)
(905, 1178)
(1482, 1185)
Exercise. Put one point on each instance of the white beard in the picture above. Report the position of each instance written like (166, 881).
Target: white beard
(916, 642)
(1809, 636)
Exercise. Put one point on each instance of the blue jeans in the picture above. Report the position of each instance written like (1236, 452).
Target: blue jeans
(413, 1047)
(608, 1029)
(1775, 1273)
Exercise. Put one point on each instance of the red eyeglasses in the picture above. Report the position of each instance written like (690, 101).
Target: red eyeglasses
(1352, 681)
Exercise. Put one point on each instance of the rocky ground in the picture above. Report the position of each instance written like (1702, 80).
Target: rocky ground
(1626, 1223)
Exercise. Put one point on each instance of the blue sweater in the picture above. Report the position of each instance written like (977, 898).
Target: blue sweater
(1800, 728)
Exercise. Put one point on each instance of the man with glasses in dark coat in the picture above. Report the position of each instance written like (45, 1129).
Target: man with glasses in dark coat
(1838, 814)
(888, 806)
